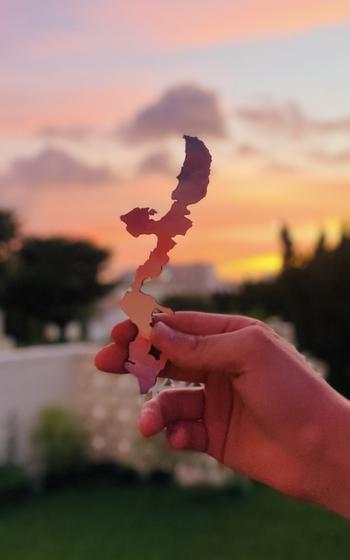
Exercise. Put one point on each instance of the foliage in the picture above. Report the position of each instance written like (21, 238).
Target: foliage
(315, 296)
(8, 229)
(59, 442)
(52, 280)
(110, 472)
(13, 481)
(8, 235)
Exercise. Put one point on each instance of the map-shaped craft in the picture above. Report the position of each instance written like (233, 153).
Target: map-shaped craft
(143, 361)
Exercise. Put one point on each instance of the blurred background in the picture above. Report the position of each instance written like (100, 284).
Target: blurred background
(95, 98)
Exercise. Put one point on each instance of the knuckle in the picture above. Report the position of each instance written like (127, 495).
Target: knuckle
(258, 336)
(194, 343)
(258, 323)
(197, 345)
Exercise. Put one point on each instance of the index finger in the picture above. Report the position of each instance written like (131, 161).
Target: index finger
(111, 358)
(196, 322)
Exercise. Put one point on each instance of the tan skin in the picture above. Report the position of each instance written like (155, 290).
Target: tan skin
(262, 410)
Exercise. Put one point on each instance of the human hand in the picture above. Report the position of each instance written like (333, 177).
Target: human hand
(262, 410)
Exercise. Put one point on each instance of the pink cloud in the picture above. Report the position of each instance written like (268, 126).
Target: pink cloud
(341, 157)
(55, 167)
(289, 119)
(183, 109)
(157, 162)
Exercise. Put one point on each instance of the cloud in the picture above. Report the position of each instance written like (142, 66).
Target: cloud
(341, 124)
(184, 24)
(269, 163)
(249, 151)
(290, 120)
(337, 158)
(185, 109)
(86, 28)
(281, 167)
(157, 162)
(286, 118)
(52, 166)
(75, 133)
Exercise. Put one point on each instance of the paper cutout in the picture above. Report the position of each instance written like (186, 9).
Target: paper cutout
(143, 360)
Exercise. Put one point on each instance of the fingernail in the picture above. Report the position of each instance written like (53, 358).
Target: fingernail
(156, 316)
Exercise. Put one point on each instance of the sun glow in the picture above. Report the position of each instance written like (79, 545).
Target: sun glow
(251, 267)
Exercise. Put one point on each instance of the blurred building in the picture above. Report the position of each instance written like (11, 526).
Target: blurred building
(198, 279)
(186, 279)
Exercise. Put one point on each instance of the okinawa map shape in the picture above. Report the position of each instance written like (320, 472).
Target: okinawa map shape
(142, 361)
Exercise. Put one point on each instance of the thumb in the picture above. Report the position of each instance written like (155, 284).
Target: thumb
(223, 352)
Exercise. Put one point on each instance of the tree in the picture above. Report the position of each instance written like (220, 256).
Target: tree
(314, 294)
(8, 236)
(320, 248)
(287, 247)
(53, 280)
(8, 231)
(322, 310)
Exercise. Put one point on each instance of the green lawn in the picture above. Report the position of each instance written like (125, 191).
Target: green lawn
(162, 522)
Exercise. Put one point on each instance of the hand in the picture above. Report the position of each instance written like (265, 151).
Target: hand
(262, 410)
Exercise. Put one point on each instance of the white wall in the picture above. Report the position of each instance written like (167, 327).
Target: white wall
(30, 379)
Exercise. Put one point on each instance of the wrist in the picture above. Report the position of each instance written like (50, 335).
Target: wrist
(329, 479)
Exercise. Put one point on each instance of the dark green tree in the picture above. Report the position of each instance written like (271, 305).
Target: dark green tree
(311, 291)
(320, 248)
(314, 294)
(287, 247)
(53, 280)
(317, 300)
(9, 233)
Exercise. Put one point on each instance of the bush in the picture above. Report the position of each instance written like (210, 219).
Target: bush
(111, 472)
(60, 443)
(160, 476)
(14, 481)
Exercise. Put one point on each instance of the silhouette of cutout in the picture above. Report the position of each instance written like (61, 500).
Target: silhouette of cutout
(143, 361)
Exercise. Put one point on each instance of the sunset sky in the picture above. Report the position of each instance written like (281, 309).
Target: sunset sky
(95, 98)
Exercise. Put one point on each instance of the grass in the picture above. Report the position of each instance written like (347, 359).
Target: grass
(144, 521)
